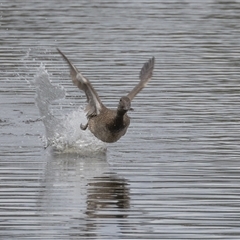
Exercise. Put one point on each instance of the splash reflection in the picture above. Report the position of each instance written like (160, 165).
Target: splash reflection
(83, 193)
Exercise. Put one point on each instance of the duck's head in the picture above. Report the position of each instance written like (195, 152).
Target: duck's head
(124, 104)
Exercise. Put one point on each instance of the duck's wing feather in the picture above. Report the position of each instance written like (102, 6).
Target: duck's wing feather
(145, 76)
(94, 103)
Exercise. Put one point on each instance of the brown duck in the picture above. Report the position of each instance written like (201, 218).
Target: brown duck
(106, 124)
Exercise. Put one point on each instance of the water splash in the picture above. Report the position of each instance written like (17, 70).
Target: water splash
(63, 132)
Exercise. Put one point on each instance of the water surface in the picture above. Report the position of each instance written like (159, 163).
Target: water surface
(175, 175)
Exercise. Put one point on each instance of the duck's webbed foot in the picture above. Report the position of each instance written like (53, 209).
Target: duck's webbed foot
(84, 127)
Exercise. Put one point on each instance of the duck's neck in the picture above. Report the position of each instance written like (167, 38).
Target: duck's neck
(118, 122)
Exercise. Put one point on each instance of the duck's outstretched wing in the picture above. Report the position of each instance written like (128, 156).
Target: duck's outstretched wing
(94, 103)
(145, 76)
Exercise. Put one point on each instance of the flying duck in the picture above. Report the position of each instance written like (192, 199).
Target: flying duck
(106, 124)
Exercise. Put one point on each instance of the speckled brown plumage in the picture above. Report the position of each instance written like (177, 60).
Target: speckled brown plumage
(106, 124)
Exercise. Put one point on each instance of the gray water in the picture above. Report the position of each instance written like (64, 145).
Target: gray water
(175, 174)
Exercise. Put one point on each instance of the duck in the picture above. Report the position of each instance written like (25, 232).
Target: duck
(108, 125)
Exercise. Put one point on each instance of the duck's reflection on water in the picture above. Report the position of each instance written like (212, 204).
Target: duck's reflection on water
(107, 208)
(107, 197)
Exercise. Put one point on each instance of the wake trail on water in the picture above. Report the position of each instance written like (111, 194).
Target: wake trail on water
(63, 131)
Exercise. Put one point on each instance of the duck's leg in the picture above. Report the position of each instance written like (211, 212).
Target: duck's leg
(84, 127)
